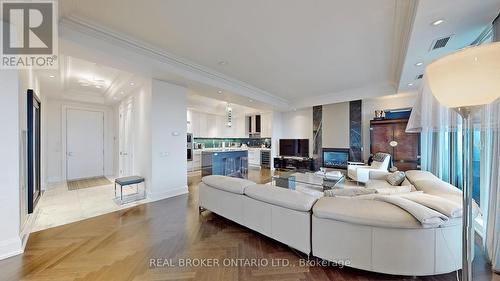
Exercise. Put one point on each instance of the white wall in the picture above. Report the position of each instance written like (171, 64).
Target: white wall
(142, 135)
(55, 135)
(168, 140)
(296, 125)
(403, 100)
(28, 80)
(10, 242)
(336, 125)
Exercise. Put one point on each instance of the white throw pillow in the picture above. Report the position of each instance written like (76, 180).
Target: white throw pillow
(396, 178)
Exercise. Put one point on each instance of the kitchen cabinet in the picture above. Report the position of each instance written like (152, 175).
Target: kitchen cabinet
(253, 125)
(205, 125)
(197, 160)
(211, 125)
(254, 157)
(239, 130)
(223, 130)
(195, 164)
(195, 124)
(266, 125)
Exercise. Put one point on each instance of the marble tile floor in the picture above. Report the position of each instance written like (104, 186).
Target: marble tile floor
(59, 206)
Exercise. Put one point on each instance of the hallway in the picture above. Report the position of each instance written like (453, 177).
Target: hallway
(59, 205)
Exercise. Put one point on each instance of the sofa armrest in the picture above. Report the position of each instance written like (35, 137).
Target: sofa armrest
(363, 174)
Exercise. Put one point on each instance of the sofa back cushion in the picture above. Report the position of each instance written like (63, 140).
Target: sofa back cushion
(436, 187)
(414, 175)
(229, 184)
(383, 187)
(364, 212)
(282, 197)
(380, 156)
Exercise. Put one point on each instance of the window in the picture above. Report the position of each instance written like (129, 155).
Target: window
(476, 166)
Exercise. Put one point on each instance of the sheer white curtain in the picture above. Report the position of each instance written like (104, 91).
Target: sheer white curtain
(437, 124)
(428, 115)
(491, 173)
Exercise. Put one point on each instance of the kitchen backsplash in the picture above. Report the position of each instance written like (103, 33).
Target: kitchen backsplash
(218, 142)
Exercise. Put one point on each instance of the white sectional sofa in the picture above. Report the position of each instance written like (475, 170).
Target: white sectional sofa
(370, 235)
(278, 213)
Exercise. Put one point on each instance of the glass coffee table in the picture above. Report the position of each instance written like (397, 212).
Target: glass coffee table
(307, 182)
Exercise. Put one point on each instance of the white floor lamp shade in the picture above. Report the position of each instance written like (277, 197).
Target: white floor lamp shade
(469, 77)
(464, 81)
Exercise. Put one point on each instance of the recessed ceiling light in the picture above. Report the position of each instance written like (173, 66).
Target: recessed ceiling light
(132, 83)
(419, 63)
(410, 84)
(52, 76)
(222, 62)
(437, 22)
(220, 92)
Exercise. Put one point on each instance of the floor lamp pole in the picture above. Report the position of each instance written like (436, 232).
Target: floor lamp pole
(467, 226)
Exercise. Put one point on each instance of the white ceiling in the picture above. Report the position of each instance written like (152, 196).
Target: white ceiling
(82, 80)
(288, 48)
(464, 19)
(205, 104)
(85, 81)
(280, 53)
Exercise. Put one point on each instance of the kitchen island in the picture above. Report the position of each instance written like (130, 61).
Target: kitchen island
(225, 162)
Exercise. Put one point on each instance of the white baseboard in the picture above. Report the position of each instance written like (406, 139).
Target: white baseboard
(11, 247)
(164, 195)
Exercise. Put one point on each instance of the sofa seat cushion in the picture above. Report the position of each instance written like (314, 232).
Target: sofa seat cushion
(282, 197)
(364, 212)
(229, 184)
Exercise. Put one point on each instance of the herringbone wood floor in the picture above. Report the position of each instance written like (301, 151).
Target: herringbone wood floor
(119, 245)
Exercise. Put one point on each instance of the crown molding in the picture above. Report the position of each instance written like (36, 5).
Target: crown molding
(370, 91)
(75, 28)
(405, 13)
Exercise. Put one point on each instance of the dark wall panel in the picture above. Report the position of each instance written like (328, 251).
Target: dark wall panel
(355, 137)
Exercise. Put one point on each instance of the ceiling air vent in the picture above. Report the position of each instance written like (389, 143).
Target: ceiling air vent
(440, 43)
(420, 76)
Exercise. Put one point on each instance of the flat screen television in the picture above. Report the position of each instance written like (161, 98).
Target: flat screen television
(294, 147)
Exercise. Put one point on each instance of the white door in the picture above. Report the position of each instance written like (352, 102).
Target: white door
(126, 139)
(84, 144)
